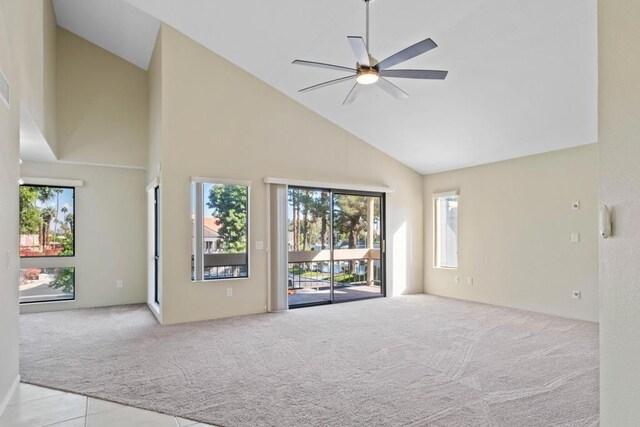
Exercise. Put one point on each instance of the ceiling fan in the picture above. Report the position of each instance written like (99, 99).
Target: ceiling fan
(369, 71)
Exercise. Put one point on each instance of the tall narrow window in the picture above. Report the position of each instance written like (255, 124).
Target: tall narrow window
(446, 230)
(220, 230)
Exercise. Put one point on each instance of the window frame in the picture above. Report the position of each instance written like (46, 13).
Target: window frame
(73, 228)
(436, 239)
(198, 256)
(49, 301)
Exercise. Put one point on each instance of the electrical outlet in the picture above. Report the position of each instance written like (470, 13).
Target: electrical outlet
(469, 280)
(229, 292)
(456, 280)
(119, 283)
(576, 294)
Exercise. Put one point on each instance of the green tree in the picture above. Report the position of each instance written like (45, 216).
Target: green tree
(48, 214)
(229, 205)
(30, 220)
(57, 192)
(45, 194)
(64, 280)
(66, 239)
(64, 211)
(349, 217)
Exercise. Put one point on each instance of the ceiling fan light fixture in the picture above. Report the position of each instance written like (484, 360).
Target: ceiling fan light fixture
(367, 77)
(369, 70)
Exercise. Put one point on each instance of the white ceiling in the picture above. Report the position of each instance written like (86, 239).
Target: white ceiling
(114, 25)
(522, 74)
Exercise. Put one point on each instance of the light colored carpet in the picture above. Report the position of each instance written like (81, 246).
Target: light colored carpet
(408, 361)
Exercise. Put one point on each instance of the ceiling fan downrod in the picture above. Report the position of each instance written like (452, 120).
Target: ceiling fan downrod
(367, 23)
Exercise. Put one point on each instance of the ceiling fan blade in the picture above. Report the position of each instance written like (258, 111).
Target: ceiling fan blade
(360, 50)
(391, 89)
(415, 74)
(353, 94)
(325, 84)
(323, 65)
(408, 53)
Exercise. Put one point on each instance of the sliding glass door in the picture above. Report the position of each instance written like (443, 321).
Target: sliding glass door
(357, 237)
(335, 246)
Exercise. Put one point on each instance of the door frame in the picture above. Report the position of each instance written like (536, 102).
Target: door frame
(383, 252)
(154, 248)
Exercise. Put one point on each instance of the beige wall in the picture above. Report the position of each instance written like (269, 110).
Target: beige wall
(110, 216)
(36, 41)
(102, 105)
(619, 127)
(155, 124)
(49, 63)
(9, 149)
(515, 225)
(219, 121)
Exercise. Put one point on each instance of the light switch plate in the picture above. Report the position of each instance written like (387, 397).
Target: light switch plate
(259, 246)
(575, 237)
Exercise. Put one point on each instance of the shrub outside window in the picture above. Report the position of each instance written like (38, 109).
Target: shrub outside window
(47, 284)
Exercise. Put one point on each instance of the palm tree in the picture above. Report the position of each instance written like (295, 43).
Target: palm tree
(48, 214)
(57, 192)
(45, 194)
(64, 211)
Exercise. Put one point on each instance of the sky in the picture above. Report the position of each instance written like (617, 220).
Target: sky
(66, 199)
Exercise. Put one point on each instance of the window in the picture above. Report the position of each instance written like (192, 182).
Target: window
(220, 230)
(47, 221)
(446, 230)
(47, 284)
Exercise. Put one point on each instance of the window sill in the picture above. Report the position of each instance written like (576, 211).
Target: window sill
(24, 303)
(225, 279)
(446, 268)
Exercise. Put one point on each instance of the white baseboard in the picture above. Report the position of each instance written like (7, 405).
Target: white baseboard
(7, 398)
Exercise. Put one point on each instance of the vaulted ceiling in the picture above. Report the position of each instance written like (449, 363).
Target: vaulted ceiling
(522, 74)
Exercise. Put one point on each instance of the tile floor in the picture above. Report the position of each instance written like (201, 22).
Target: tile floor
(33, 406)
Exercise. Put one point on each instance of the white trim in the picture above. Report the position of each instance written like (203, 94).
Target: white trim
(223, 181)
(155, 310)
(151, 235)
(446, 194)
(9, 395)
(101, 165)
(7, 101)
(52, 182)
(436, 239)
(199, 255)
(153, 184)
(327, 185)
(267, 243)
